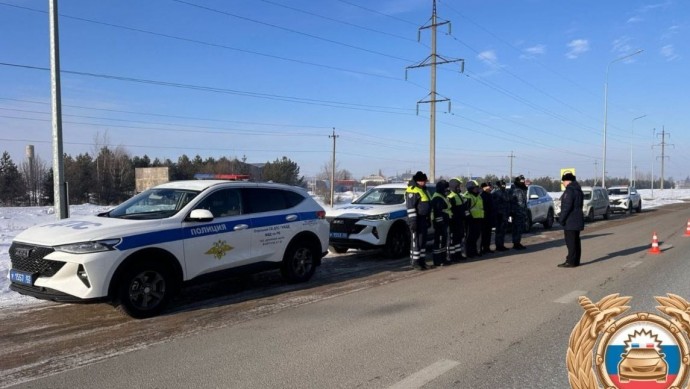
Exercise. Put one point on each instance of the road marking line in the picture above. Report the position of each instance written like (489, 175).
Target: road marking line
(570, 297)
(426, 375)
(633, 264)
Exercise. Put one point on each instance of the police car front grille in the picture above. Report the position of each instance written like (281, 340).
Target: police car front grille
(29, 258)
(346, 225)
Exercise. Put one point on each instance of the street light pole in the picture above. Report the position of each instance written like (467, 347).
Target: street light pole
(606, 91)
(632, 132)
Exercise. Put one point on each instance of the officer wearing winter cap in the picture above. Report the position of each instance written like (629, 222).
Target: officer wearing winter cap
(518, 208)
(572, 219)
(418, 215)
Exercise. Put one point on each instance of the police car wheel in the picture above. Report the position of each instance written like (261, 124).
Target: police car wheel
(299, 262)
(144, 290)
(397, 243)
(607, 214)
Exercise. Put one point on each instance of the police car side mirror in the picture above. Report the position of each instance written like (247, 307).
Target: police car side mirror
(534, 197)
(200, 215)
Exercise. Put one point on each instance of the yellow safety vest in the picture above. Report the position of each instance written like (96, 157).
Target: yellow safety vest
(423, 196)
(476, 206)
(448, 209)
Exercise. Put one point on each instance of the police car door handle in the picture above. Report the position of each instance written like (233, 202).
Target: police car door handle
(240, 227)
(291, 218)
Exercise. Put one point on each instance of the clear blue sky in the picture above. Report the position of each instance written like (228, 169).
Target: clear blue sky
(271, 78)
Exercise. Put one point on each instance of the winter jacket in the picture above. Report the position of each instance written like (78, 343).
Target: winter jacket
(518, 201)
(572, 218)
(501, 199)
(417, 202)
(489, 210)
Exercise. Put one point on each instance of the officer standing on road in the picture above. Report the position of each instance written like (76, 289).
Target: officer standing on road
(441, 211)
(418, 214)
(518, 207)
(489, 218)
(460, 212)
(474, 223)
(572, 219)
(501, 199)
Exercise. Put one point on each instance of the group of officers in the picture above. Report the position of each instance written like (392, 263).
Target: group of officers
(463, 220)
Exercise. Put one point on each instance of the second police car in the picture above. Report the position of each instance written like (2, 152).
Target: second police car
(377, 219)
(138, 254)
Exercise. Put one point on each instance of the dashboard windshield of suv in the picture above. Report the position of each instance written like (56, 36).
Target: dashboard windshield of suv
(385, 196)
(153, 204)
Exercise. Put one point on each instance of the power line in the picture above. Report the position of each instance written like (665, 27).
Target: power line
(339, 21)
(216, 45)
(268, 96)
(290, 30)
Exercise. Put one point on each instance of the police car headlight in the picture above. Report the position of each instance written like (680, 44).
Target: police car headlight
(384, 216)
(88, 247)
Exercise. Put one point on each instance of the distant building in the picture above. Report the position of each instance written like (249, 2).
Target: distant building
(148, 177)
(373, 180)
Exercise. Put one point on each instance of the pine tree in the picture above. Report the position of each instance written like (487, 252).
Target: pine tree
(11, 183)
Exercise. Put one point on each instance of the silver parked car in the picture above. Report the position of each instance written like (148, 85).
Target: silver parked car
(596, 202)
(625, 199)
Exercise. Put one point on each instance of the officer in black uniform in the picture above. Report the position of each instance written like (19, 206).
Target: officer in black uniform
(441, 211)
(518, 208)
(501, 199)
(418, 214)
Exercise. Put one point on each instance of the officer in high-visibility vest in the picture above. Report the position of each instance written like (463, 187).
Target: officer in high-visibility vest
(442, 213)
(476, 219)
(460, 212)
(418, 214)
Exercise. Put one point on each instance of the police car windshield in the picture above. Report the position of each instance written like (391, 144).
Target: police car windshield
(153, 204)
(382, 196)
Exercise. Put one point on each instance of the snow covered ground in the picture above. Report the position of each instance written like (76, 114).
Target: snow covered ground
(13, 220)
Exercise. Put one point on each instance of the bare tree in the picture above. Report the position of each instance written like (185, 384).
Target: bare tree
(33, 171)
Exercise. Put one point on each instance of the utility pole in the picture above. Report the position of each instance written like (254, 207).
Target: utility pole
(511, 156)
(432, 98)
(59, 184)
(596, 169)
(663, 154)
(334, 136)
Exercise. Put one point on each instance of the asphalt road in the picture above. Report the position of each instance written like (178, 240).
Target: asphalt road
(502, 321)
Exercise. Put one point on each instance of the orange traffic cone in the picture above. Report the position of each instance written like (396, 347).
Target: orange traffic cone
(687, 230)
(655, 245)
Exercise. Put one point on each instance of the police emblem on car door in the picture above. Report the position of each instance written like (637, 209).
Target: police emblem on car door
(223, 242)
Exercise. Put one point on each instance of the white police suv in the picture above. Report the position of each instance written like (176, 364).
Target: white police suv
(139, 254)
(377, 219)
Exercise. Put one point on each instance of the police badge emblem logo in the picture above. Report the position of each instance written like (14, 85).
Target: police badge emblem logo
(641, 350)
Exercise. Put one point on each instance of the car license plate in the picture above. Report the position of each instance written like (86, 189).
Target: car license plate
(342, 235)
(22, 277)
